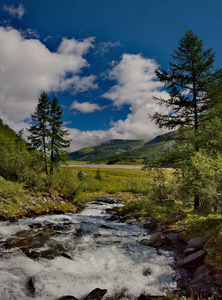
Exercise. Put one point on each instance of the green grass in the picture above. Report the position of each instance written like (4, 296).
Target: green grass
(77, 162)
(146, 194)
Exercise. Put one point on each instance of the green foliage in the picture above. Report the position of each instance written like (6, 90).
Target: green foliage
(98, 175)
(80, 175)
(64, 181)
(17, 161)
(145, 207)
(10, 190)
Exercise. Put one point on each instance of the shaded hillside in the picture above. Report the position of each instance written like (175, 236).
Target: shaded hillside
(17, 160)
(106, 150)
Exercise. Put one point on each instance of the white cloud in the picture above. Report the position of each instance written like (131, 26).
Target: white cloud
(104, 47)
(78, 84)
(136, 85)
(28, 67)
(15, 12)
(72, 46)
(85, 107)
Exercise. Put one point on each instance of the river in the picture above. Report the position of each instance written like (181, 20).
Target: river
(99, 254)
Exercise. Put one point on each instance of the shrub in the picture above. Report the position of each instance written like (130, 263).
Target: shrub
(98, 175)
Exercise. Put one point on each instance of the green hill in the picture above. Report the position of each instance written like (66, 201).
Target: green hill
(119, 151)
(106, 150)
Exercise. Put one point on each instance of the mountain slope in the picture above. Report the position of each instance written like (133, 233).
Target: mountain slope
(106, 150)
(116, 151)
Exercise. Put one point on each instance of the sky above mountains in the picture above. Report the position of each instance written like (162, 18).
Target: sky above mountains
(98, 57)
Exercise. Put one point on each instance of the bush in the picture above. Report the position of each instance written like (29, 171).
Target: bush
(64, 181)
(80, 175)
(10, 190)
(98, 175)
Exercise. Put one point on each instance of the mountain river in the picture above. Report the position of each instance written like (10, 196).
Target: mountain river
(98, 254)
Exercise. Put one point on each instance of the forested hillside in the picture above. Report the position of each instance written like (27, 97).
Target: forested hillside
(17, 160)
(106, 150)
(128, 151)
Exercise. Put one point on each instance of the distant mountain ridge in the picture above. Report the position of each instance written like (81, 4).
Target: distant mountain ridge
(106, 150)
(119, 150)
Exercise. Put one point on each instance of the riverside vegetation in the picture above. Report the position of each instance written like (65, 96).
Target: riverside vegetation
(186, 199)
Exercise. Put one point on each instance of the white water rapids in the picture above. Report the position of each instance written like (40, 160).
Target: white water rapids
(108, 258)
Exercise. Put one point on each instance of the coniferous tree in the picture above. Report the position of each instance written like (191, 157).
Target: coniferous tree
(39, 130)
(46, 132)
(57, 141)
(189, 81)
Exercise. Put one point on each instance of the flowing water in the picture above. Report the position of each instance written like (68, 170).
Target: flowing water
(103, 254)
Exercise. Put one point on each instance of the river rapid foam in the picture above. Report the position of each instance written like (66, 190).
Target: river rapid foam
(103, 254)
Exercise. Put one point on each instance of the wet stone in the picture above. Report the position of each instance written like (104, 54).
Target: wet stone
(96, 294)
(31, 286)
(203, 269)
(36, 241)
(151, 225)
(66, 298)
(107, 227)
(147, 272)
(35, 255)
(192, 261)
(171, 239)
(195, 243)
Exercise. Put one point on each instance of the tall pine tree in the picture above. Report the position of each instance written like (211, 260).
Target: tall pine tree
(47, 133)
(39, 130)
(57, 140)
(188, 81)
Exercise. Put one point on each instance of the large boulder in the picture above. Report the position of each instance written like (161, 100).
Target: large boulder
(151, 225)
(35, 241)
(193, 260)
(171, 238)
(196, 243)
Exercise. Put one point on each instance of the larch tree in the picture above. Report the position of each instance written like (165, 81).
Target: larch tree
(189, 82)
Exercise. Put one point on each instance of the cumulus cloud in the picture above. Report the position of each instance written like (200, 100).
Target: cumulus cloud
(136, 84)
(13, 11)
(85, 107)
(28, 68)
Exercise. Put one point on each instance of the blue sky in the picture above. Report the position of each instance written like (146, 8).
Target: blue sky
(98, 57)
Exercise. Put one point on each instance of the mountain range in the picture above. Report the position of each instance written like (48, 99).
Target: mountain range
(126, 151)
